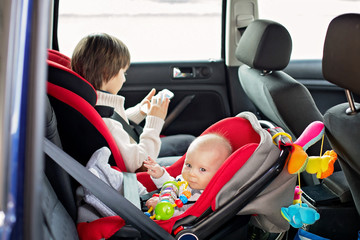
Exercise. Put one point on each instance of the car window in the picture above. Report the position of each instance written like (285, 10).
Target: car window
(306, 21)
(153, 30)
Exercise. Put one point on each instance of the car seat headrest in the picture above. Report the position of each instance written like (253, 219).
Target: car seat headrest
(341, 57)
(60, 58)
(265, 45)
(70, 80)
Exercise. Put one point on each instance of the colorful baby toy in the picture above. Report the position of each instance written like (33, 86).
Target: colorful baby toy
(298, 161)
(300, 214)
(297, 195)
(169, 199)
(323, 166)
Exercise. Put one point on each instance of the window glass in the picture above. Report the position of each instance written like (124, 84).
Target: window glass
(306, 21)
(153, 30)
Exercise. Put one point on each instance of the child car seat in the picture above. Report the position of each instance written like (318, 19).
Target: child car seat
(82, 130)
(58, 205)
(250, 182)
(59, 58)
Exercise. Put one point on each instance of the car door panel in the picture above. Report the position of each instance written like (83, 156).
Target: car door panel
(202, 87)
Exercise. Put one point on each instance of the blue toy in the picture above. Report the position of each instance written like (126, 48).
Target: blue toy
(300, 214)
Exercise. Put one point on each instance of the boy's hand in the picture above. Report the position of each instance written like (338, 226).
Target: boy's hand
(146, 100)
(152, 202)
(154, 168)
(159, 107)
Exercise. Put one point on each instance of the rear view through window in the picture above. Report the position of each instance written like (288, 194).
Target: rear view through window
(154, 30)
(306, 21)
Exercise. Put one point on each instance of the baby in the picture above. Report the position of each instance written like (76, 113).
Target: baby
(204, 157)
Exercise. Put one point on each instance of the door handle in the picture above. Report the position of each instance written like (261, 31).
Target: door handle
(190, 72)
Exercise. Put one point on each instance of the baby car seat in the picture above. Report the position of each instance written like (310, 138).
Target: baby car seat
(251, 182)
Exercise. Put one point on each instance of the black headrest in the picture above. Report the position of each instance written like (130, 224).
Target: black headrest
(341, 59)
(265, 45)
(70, 80)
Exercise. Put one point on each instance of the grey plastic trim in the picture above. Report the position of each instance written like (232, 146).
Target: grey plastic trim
(40, 17)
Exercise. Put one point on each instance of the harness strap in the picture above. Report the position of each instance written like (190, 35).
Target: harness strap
(133, 130)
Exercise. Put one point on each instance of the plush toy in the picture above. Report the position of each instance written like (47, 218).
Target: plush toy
(299, 158)
(297, 195)
(322, 166)
(299, 214)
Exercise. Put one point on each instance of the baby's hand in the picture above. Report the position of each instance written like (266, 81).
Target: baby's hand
(154, 168)
(152, 202)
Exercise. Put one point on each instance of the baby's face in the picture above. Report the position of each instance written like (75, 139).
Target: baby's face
(200, 166)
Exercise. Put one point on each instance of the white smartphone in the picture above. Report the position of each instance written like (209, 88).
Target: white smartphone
(165, 93)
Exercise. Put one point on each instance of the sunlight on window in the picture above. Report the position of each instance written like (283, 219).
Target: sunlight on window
(153, 30)
(306, 21)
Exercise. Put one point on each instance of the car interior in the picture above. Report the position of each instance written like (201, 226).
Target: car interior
(254, 87)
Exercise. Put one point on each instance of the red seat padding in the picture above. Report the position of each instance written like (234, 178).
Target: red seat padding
(82, 130)
(60, 58)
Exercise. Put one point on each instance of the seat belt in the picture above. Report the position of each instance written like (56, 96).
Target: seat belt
(106, 194)
(133, 130)
(131, 187)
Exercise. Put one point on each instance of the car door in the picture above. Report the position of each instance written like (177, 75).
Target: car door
(199, 87)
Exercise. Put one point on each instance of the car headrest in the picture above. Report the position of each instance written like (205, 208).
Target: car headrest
(265, 45)
(341, 57)
(70, 80)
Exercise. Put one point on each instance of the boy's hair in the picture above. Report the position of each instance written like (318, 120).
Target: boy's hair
(99, 57)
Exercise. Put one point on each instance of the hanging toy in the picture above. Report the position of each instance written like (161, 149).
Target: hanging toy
(297, 195)
(322, 166)
(169, 199)
(299, 214)
(298, 160)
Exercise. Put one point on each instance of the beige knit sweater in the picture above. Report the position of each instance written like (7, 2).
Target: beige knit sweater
(149, 145)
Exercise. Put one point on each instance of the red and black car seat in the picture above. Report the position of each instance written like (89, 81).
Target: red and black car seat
(82, 130)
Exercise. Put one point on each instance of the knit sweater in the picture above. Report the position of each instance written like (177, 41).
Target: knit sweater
(149, 143)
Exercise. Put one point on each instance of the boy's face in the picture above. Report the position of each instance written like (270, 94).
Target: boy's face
(115, 83)
(201, 165)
